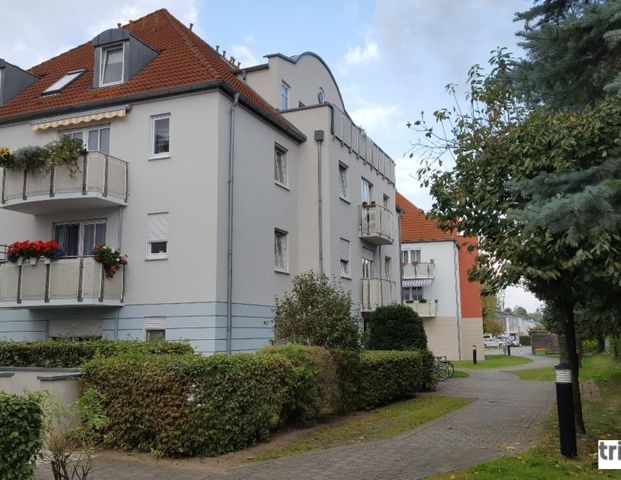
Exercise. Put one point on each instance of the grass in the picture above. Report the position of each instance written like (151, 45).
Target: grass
(598, 367)
(603, 421)
(460, 374)
(382, 423)
(493, 361)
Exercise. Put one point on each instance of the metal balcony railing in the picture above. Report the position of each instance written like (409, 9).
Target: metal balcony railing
(419, 270)
(376, 224)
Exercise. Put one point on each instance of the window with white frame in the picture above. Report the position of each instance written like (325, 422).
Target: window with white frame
(410, 256)
(411, 294)
(387, 267)
(155, 329)
(95, 139)
(366, 191)
(343, 181)
(386, 202)
(367, 268)
(284, 96)
(157, 235)
(79, 238)
(345, 251)
(281, 259)
(280, 165)
(160, 135)
(112, 65)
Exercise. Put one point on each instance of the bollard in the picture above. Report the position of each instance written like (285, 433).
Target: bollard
(474, 354)
(509, 349)
(565, 405)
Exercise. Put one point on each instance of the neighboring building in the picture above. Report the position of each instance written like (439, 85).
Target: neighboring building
(435, 284)
(220, 185)
(514, 323)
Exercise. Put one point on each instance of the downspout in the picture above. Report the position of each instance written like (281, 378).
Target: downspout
(229, 256)
(457, 302)
(120, 243)
(399, 254)
(319, 135)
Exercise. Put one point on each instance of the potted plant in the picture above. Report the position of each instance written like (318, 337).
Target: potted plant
(7, 160)
(32, 158)
(17, 252)
(110, 258)
(422, 300)
(65, 152)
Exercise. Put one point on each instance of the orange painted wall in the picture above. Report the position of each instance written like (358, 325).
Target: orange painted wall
(470, 292)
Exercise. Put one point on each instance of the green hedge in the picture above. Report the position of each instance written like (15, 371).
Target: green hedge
(615, 348)
(70, 354)
(396, 327)
(525, 340)
(21, 423)
(191, 405)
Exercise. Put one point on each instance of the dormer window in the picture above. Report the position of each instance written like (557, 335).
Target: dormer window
(112, 60)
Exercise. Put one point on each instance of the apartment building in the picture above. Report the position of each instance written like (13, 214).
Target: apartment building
(219, 183)
(435, 284)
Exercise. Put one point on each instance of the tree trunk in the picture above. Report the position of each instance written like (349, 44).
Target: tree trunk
(571, 350)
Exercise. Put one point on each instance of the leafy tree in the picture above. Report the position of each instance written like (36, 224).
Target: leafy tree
(573, 49)
(396, 327)
(490, 324)
(315, 312)
(520, 311)
(538, 188)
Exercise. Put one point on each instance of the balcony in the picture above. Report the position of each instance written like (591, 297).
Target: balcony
(376, 224)
(418, 274)
(424, 309)
(65, 282)
(377, 292)
(101, 181)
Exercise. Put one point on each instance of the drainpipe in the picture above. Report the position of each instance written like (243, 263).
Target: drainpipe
(457, 300)
(229, 256)
(120, 243)
(319, 135)
(399, 254)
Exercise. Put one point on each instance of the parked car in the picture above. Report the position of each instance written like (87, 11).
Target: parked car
(491, 342)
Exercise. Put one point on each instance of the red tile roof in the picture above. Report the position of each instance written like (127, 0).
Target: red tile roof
(416, 227)
(184, 60)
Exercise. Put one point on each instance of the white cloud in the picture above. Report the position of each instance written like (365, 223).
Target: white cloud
(243, 54)
(375, 117)
(37, 30)
(362, 55)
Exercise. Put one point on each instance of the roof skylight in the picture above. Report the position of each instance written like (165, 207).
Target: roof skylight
(63, 82)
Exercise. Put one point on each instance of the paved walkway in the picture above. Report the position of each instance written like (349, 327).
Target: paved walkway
(502, 419)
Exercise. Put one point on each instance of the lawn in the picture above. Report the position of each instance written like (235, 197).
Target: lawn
(603, 420)
(382, 423)
(493, 361)
(460, 374)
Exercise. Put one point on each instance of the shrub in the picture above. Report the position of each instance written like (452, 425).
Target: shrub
(31, 158)
(21, 424)
(315, 389)
(70, 354)
(386, 376)
(315, 312)
(396, 327)
(525, 340)
(615, 348)
(190, 405)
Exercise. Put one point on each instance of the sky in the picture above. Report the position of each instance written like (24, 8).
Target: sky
(391, 58)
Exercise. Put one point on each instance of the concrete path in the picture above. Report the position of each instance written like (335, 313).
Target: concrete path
(504, 418)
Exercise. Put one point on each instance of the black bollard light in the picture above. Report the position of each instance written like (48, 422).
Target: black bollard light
(565, 405)
(474, 354)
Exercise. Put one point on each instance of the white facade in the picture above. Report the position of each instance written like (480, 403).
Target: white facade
(186, 289)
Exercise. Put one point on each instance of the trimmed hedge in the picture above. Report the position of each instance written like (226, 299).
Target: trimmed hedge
(70, 354)
(191, 405)
(396, 327)
(21, 424)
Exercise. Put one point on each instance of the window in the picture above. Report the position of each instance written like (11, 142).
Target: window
(79, 238)
(410, 256)
(410, 294)
(94, 139)
(157, 235)
(321, 97)
(345, 258)
(111, 69)
(367, 268)
(280, 165)
(366, 191)
(160, 141)
(155, 329)
(387, 267)
(343, 181)
(284, 96)
(63, 82)
(385, 202)
(281, 263)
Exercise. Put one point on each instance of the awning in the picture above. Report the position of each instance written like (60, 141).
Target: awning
(417, 282)
(84, 117)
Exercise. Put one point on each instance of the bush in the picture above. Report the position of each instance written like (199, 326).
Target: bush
(190, 405)
(21, 424)
(386, 376)
(69, 354)
(316, 312)
(396, 327)
(615, 348)
(315, 389)
(525, 340)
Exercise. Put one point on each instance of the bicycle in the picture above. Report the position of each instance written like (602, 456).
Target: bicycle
(443, 369)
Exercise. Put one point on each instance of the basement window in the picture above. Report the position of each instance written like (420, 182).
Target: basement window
(63, 82)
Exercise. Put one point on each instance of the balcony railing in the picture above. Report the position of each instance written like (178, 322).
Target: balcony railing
(424, 309)
(101, 181)
(376, 224)
(377, 292)
(63, 282)
(419, 270)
